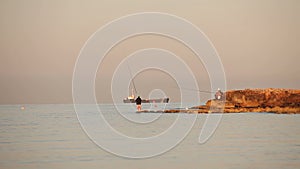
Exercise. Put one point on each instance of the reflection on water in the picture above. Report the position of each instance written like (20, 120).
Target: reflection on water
(50, 136)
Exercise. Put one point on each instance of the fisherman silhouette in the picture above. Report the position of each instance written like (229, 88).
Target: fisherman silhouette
(219, 95)
(138, 102)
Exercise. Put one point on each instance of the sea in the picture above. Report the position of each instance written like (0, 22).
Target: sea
(52, 136)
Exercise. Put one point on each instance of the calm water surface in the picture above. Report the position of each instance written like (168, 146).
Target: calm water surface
(50, 136)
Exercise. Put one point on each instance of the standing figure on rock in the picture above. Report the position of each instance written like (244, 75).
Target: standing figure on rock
(138, 102)
(219, 94)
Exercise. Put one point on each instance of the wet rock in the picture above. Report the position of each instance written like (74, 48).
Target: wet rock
(280, 101)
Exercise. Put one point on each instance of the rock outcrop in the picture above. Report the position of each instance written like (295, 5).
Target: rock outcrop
(281, 101)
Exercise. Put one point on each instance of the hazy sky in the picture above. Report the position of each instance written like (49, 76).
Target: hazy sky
(257, 40)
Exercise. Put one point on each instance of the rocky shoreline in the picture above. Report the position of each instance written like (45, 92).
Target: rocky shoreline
(279, 101)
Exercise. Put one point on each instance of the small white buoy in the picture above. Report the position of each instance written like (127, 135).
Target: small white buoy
(22, 108)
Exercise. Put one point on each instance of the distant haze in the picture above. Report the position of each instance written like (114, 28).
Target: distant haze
(258, 43)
